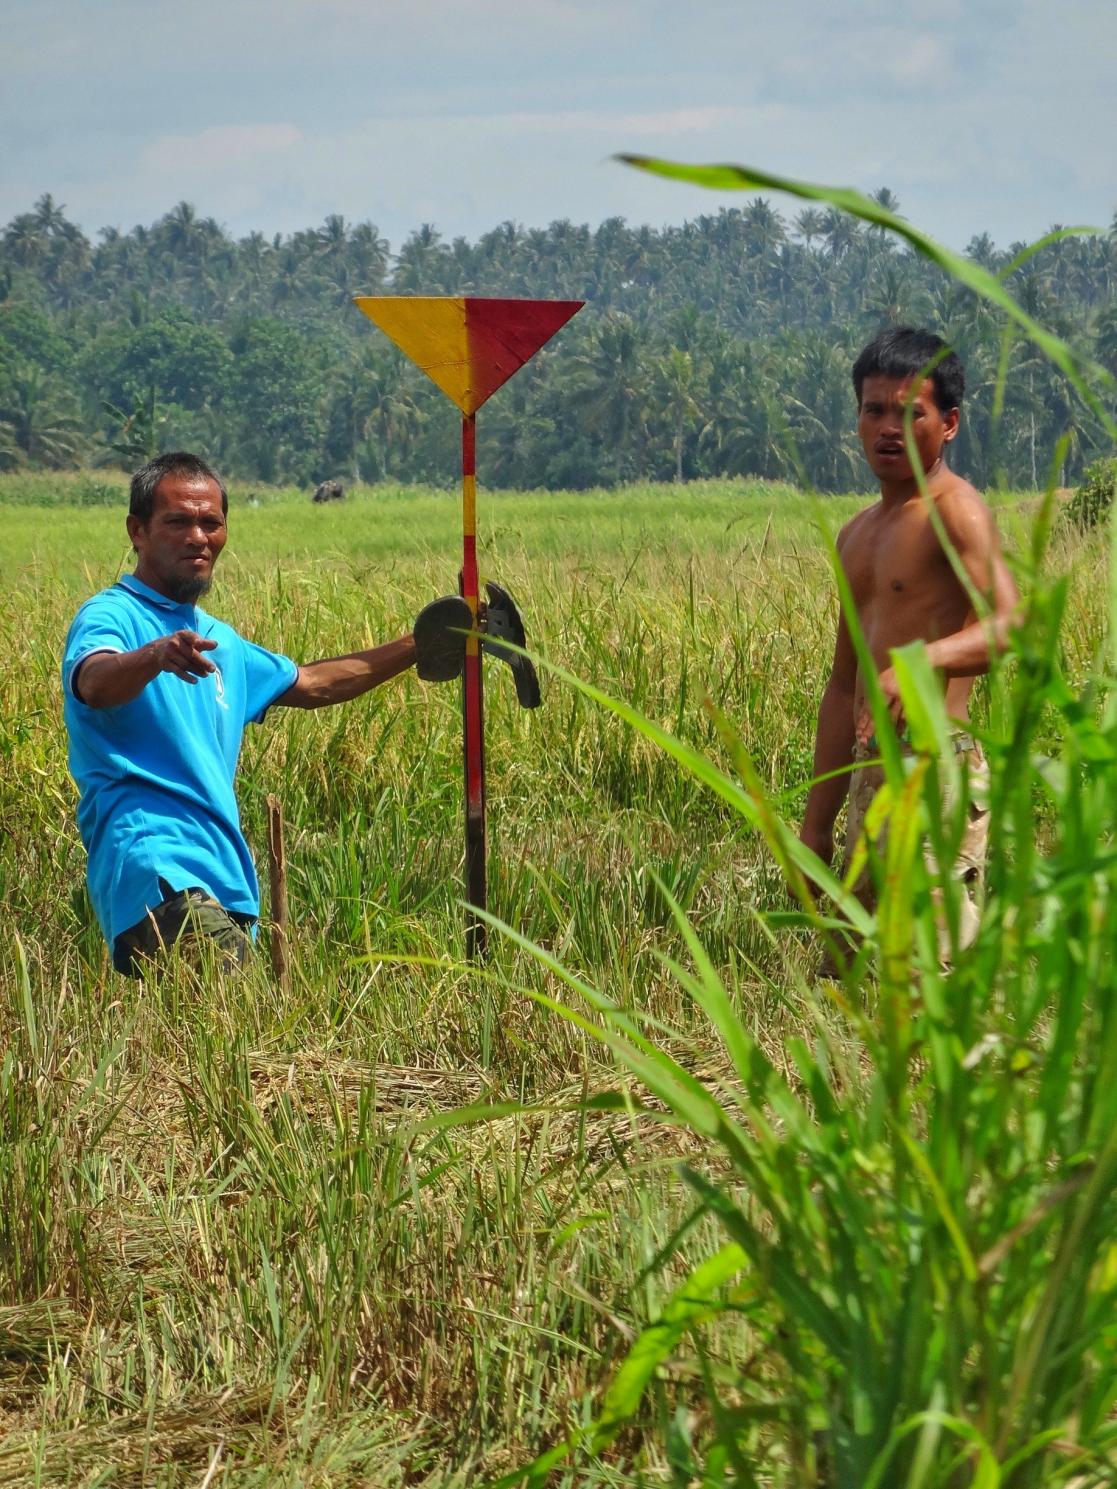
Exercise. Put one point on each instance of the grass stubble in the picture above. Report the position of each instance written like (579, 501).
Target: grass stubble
(235, 1245)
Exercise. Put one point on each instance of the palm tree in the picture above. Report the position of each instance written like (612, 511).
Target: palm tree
(748, 433)
(674, 385)
(181, 230)
(894, 298)
(29, 237)
(333, 236)
(11, 456)
(24, 241)
(51, 217)
(1105, 338)
(191, 242)
(982, 250)
(139, 436)
(606, 384)
(369, 255)
(810, 224)
(763, 228)
(289, 280)
(841, 233)
(821, 415)
(254, 258)
(419, 266)
(498, 250)
(392, 418)
(40, 419)
(639, 262)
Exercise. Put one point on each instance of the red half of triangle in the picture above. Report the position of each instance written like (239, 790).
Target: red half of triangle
(504, 334)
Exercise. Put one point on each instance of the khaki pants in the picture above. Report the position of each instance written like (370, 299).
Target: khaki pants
(183, 920)
(969, 865)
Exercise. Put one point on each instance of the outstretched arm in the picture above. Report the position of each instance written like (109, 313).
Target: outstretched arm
(337, 679)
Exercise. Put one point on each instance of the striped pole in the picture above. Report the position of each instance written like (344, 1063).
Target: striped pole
(473, 733)
(469, 346)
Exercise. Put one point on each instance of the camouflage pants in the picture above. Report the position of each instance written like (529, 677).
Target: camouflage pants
(969, 865)
(183, 920)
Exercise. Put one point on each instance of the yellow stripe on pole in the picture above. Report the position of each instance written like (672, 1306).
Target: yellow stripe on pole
(469, 506)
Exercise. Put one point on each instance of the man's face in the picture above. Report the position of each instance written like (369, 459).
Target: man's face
(880, 424)
(179, 545)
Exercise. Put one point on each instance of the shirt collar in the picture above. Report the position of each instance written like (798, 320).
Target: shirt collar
(144, 591)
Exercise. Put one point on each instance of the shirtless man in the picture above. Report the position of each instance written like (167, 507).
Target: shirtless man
(904, 586)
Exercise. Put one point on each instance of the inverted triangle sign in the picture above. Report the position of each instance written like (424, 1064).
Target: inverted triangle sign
(467, 346)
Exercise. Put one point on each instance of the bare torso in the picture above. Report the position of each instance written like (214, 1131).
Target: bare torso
(907, 586)
(904, 587)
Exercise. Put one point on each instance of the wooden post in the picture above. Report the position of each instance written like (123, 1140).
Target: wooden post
(277, 875)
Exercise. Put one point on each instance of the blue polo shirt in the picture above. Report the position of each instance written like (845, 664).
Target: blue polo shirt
(155, 775)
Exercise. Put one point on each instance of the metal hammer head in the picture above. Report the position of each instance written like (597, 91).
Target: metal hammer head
(503, 622)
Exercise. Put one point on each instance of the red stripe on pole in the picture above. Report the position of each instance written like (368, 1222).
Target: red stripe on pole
(473, 732)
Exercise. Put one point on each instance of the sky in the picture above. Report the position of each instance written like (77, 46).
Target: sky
(981, 115)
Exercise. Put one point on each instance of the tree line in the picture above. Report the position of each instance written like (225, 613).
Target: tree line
(720, 347)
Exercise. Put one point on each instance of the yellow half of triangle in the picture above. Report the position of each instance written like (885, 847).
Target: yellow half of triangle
(432, 331)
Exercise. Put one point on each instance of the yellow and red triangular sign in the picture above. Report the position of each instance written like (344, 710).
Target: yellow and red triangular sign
(466, 344)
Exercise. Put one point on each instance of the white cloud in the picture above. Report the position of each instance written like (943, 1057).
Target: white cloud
(918, 60)
(696, 119)
(466, 112)
(218, 147)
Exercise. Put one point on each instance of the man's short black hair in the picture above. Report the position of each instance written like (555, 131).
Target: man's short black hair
(141, 503)
(903, 352)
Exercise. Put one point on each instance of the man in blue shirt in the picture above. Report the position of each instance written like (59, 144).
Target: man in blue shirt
(157, 695)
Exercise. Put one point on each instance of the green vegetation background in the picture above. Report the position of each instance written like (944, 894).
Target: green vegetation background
(718, 348)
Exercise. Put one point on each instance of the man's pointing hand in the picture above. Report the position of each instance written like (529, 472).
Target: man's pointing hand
(181, 653)
(106, 679)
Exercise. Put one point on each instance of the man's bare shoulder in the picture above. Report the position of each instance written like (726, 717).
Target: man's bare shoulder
(852, 530)
(964, 511)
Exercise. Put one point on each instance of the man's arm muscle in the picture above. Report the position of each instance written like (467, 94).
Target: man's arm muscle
(338, 679)
(969, 526)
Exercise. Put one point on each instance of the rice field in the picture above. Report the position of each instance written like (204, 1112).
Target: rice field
(240, 1242)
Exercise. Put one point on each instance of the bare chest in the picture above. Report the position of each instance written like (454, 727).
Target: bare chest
(898, 562)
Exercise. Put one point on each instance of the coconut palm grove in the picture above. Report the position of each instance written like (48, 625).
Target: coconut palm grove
(720, 347)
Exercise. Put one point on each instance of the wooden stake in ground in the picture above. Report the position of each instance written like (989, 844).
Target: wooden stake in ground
(469, 347)
(277, 877)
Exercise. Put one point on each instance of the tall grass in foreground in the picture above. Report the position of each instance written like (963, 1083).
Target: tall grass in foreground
(918, 1202)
